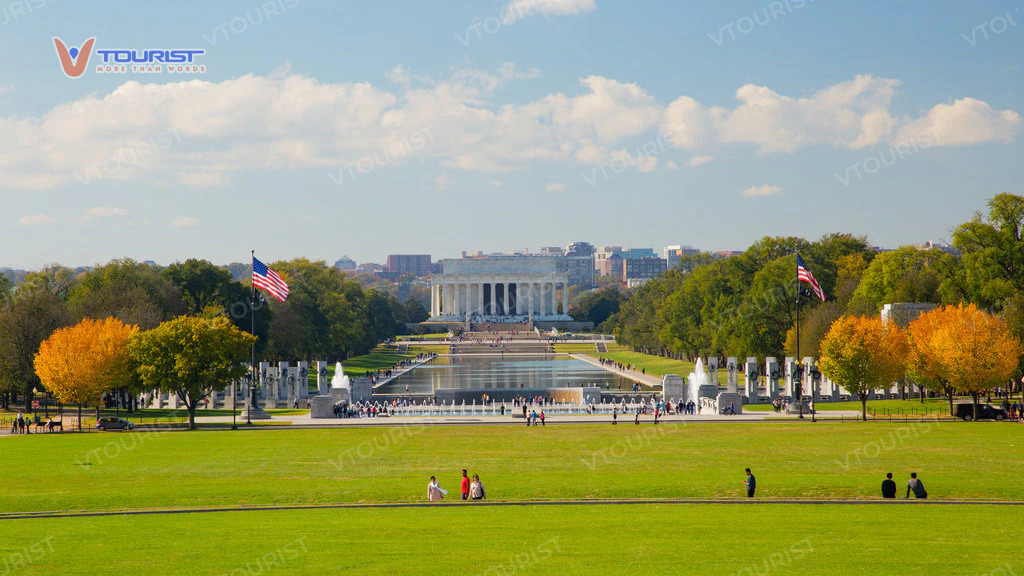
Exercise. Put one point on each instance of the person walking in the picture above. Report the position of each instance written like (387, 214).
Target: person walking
(750, 483)
(434, 491)
(888, 487)
(916, 486)
(465, 485)
(615, 415)
(542, 417)
(476, 489)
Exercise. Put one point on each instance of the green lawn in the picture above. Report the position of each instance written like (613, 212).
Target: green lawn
(465, 539)
(414, 337)
(379, 359)
(931, 406)
(656, 365)
(589, 349)
(254, 467)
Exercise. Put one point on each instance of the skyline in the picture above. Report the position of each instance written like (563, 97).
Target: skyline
(338, 129)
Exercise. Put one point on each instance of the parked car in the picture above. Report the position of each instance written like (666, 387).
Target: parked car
(111, 423)
(985, 412)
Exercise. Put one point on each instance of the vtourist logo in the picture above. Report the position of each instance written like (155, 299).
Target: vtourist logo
(74, 60)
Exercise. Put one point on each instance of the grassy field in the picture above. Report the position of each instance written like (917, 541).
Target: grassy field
(216, 468)
(573, 348)
(880, 407)
(415, 337)
(656, 365)
(466, 539)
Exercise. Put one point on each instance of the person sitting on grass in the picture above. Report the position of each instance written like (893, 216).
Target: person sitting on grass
(888, 487)
(916, 486)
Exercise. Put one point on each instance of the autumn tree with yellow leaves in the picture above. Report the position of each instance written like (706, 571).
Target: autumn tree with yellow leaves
(964, 349)
(81, 362)
(862, 354)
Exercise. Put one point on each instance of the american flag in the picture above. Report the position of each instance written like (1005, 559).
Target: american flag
(804, 275)
(263, 277)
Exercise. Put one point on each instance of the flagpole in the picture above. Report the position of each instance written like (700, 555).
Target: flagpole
(799, 364)
(252, 364)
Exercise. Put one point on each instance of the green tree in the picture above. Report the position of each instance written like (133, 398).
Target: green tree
(597, 305)
(28, 317)
(131, 291)
(191, 357)
(905, 275)
(993, 252)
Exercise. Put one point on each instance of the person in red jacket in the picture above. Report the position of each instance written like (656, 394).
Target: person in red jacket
(465, 486)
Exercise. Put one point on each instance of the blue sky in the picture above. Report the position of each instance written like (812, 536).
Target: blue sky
(371, 128)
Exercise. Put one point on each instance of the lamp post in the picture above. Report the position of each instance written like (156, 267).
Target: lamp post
(815, 378)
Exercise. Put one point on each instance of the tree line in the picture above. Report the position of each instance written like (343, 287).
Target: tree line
(326, 317)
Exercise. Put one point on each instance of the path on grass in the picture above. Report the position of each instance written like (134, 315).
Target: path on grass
(456, 503)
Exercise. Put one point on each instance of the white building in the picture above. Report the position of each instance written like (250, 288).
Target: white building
(500, 288)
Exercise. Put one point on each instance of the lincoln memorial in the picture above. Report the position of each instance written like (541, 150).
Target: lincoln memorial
(500, 288)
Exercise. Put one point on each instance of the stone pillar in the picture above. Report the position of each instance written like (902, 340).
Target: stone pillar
(809, 387)
(302, 380)
(554, 298)
(435, 300)
(771, 371)
(529, 298)
(733, 368)
(565, 298)
(322, 382)
(508, 299)
(713, 370)
(672, 388)
(480, 296)
(750, 372)
(790, 372)
(469, 300)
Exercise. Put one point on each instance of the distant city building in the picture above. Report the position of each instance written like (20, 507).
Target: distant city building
(602, 254)
(579, 268)
(726, 253)
(903, 313)
(500, 289)
(929, 245)
(552, 251)
(672, 254)
(345, 264)
(612, 266)
(638, 253)
(579, 249)
(399, 265)
(370, 268)
(642, 268)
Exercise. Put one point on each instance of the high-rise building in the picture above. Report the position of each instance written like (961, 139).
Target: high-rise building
(634, 269)
(602, 254)
(401, 264)
(579, 249)
(345, 264)
(672, 254)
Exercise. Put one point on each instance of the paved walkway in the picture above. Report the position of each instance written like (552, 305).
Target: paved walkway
(633, 375)
(492, 503)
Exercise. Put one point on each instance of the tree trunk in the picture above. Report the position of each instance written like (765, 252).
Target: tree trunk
(864, 407)
(949, 395)
(975, 396)
(79, 417)
(190, 403)
(28, 400)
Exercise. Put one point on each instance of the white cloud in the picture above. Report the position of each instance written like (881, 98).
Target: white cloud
(764, 190)
(185, 222)
(964, 122)
(699, 160)
(198, 133)
(835, 115)
(495, 182)
(398, 75)
(444, 181)
(672, 165)
(100, 212)
(555, 187)
(201, 179)
(37, 220)
(520, 9)
(4, 89)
